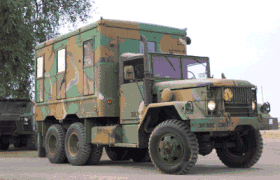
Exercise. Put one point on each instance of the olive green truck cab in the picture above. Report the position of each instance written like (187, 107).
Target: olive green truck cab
(17, 125)
(131, 88)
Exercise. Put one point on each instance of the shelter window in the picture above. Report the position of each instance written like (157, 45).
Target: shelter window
(151, 46)
(40, 67)
(61, 60)
(88, 50)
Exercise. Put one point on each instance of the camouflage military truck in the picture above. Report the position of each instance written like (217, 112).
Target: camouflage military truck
(131, 88)
(17, 124)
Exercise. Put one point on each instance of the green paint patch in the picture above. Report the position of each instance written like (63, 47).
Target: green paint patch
(45, 110)
(47, 87)
(72, 92)
(163, 29)
(72, 108)
(129, 45)
(89, 72)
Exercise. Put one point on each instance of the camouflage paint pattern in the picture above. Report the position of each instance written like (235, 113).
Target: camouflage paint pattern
(91, 67)
(114, 134)
(89, 85)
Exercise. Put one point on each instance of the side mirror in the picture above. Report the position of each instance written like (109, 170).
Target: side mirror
(223, 76)
(265, 108)
(129, 73)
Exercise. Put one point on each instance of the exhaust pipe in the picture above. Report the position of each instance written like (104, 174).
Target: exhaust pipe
(147, 74)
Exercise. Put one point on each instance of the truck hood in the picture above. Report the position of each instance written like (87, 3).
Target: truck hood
(191, 83)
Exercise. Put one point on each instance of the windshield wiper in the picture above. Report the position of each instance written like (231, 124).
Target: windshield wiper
(199, 62)
(170, 63)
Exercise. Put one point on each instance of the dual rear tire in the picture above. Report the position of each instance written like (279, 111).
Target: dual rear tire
(62, 146)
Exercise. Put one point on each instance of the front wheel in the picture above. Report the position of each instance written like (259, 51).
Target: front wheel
(173, 148)
(246, 154)
(4, 143)
(77, 150)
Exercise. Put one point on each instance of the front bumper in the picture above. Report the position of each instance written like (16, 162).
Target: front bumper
(209, 124)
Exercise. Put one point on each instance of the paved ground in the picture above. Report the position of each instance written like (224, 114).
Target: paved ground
(19, 164)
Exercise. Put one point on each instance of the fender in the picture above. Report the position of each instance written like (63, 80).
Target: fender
(183, 109)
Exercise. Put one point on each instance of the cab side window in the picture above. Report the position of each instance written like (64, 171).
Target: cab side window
(137, 66)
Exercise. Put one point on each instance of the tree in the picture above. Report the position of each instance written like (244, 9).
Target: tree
(23, 24)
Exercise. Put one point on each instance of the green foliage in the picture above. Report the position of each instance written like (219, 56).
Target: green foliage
(23, 24)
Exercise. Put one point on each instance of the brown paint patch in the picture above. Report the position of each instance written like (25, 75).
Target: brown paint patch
(41, 88)
(38, 115)
(59, 111)
(88, 85)
(183, 95)
(49, 42)
(167, 43)
(52, 109)
(53, 90)
(123, 103)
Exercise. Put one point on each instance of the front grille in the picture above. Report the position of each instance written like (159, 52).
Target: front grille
(241, 103)
(241, 95)
(7, 126)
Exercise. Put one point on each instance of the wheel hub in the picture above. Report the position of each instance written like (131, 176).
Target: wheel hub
(73, 145)
(52, 145)
(170, 149)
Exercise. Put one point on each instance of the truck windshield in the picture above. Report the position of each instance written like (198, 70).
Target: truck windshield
(167, 66)
(194, 68)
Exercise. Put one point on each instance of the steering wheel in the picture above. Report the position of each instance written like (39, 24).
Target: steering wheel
(192, 74)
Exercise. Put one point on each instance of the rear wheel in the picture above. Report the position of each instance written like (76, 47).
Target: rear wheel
(77, 150)
(54, 144)
(173, 148)
(247, 152)
(41, 149)
(117, 153)
(95, 155)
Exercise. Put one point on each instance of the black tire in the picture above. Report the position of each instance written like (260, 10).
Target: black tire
(117, 153)
(31, 142)
(23, 141)
(4, 143)
(139, 155)
(41, 149)
(17, 144)
(77, 150)
(250, 154)
(95, 155)
(54, 144)
(173, 148)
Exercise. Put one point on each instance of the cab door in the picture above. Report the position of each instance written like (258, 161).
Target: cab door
(131, 93)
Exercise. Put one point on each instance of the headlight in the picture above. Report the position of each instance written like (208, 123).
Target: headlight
(211, 105)
(253, 105)
(25, 121)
